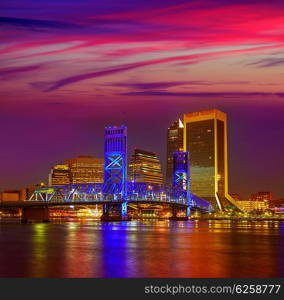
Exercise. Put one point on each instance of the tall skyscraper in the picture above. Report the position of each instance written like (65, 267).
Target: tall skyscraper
(174, 144)
(205, 137)
(85, 169)
(145, 166)
(59, 175)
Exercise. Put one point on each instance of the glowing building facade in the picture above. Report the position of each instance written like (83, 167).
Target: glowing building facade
(85, 169)
(145, 166)
(59, 175)
(250, 205)
(258, 201)
(205, 137)
(174, 144)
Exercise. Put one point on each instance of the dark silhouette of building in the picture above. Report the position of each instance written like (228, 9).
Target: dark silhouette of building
(174, 144)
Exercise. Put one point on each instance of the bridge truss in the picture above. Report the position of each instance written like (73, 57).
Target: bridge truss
(116, 190)
(94, 192)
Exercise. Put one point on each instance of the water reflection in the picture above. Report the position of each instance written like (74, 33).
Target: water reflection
(143, 249)
(39, 242)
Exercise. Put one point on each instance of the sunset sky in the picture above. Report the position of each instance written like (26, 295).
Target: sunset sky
(69, 68)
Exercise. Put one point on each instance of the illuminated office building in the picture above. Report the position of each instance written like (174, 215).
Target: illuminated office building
(145, 166)
(262, 196)
(205, 137)
(86, 169)
(174, 144)
(59, 175)
(251, 205)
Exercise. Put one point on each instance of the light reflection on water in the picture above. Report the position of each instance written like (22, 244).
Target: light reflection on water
(142, 249)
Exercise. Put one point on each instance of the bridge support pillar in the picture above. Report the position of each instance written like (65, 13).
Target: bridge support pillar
(106, 208)
(35, 214)
(188, 211)
(175, 216)
(115, 212)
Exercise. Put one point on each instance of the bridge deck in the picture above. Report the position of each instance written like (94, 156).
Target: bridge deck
(29, 203)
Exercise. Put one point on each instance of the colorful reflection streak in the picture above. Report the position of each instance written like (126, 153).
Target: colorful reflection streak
(150, 249)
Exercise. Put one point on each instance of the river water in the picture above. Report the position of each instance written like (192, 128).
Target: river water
(142, 249)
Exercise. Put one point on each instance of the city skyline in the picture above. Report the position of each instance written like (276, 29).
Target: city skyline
(68, 68)
(164, 167)
(143, 139)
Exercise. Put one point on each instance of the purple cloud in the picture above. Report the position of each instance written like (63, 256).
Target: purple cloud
(268, 62)
(33, 23)
(12, 70)
(158, 85)
(199, 94)
(169, 84)
(73, 79)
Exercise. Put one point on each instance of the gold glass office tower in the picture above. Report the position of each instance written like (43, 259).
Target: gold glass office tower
(205, 137)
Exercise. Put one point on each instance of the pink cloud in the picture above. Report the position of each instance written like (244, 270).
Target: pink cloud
(189, 59)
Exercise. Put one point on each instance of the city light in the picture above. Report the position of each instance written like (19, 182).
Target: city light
(142, 139)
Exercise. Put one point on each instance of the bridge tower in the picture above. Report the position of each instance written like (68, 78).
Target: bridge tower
(181, 179)
(115, 172)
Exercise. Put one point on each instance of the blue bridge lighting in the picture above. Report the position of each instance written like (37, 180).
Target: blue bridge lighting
(116, 190)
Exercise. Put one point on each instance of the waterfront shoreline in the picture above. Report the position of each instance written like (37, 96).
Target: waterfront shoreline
(75, 219)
